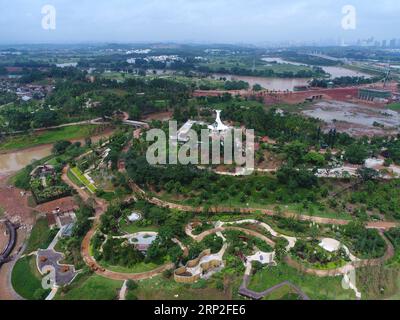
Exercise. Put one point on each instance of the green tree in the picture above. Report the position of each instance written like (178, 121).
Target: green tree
(356, 153)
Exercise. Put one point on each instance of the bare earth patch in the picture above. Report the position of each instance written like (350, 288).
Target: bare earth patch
(3, 237)
(14, 203)
(355, 119)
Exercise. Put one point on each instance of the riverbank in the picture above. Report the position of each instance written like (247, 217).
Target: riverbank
(15, 160)
(29, 140)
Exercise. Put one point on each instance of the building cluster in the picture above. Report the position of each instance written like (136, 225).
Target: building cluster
(385, 43)
(25, 92)
(63, 220)
(161, 58)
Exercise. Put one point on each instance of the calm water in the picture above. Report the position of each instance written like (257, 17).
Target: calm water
(16, 160)
(277, 84)
(335, 72)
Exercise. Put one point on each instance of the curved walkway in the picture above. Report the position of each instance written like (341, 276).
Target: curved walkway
(249, 232)
(359, 263)
(245, 291)
(381, 225)
(342, 271)
(100, 208)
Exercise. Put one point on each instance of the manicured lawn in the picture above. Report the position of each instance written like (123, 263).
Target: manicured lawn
(41, 236)
(319, 288)
(160, 288)
(46, 137)
(134, 227)
(74, 179)
(394, 106)
(78, 174)
(25, 278)
(284, 293)
(92, 287)
(137, 268)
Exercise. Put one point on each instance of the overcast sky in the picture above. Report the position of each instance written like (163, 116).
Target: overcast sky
(227, 21)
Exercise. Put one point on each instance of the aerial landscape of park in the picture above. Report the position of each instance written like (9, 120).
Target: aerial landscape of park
(85, 215)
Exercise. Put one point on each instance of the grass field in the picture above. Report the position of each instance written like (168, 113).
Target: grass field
(137, 268)
(134, 227)
(324, 288)
(26, 279)
(46, 137)
(74, 179)
(189, 81)
(92, 287)
(394, 106)
(160, 288)
(247, 63)
(284, 293)
(78, 174)
(40, 237)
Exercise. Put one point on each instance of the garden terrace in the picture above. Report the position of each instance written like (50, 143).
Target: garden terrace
(312, 254)
(46, 185)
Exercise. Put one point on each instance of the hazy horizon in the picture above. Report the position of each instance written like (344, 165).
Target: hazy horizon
(196, 21)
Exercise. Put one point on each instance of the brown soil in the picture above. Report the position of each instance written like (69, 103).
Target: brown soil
(3, 237)
(64, 204)
(15, 205)
(159, 116)
(271, 161)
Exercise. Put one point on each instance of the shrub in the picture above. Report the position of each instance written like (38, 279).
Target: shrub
(131, 285)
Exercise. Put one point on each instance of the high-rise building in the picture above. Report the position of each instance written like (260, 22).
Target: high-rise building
(393, 43)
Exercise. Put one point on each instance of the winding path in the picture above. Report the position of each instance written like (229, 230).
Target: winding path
(381, 225)
(100, 208)
(342, 271)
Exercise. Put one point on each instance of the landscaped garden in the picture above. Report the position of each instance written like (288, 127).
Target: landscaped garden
(319, 288)
(311, 254)
(49, 187)
(79, 175)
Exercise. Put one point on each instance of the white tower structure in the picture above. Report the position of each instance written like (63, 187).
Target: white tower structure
(218, 125)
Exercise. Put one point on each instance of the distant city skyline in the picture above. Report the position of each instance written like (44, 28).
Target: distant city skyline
(200, 21)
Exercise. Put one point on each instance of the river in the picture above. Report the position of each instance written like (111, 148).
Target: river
(16, 160)
(277, 84)
(334, 71)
